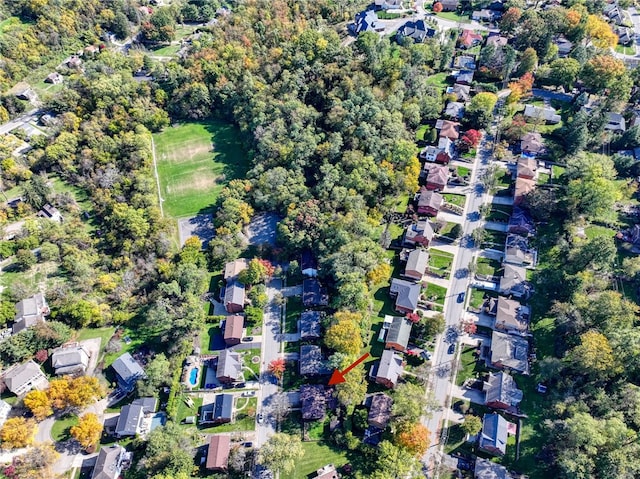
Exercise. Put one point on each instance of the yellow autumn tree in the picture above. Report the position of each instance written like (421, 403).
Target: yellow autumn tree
(74, 393)
(88, 430)
(39, 404)
(411, 173)
(17, 432)
(594, 354)
(600, 32)
(379, 274)
(344, 334)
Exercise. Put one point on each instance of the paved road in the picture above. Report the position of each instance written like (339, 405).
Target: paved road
(27, 117)
(270, 351)
(443, 369)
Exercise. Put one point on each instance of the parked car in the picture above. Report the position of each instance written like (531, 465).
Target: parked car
(248, 444)
(249, 393)
(452, 348)
(461, 297)
(260, 418)
(426, 355)
(247, 339)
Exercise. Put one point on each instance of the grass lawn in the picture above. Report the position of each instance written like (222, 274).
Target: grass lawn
(294, 308)
(168, 51)
(421, 131)
(499, 213)
(625, 50)
(504, 178)
(494, 239)
(488, 266)
(435, 293)
(453, 16)
(463, 171)
(60, 429)
(185, 411)
(457, 200)
(195, 160)
(595, 231)
(440, 262)
(247, 355)
(477, 298)
(543, 178)
(80, 195)
(383, 15)
(90, 333)
(403, 202)
(316, 455)
(469, 367)
(245, 418)
(206, 337)
(439, 80)
(447, 230)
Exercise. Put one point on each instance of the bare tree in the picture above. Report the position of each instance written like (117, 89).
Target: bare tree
(280, 406)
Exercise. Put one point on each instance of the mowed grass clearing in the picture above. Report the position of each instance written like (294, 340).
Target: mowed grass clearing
(195, 160)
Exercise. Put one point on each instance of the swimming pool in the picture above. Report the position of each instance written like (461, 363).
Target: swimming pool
(159, 419)
(193, 376)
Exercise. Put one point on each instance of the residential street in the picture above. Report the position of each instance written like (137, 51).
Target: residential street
(443, 373)
(270, 351)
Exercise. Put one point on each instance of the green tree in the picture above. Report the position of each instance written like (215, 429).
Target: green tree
(472, 425)
(480, 110)
(409, 404)
(528, 62)
(602, 72)
(563, 72)
(592, 190)
(394, 461)
(25, 259)
(157, 376)
(281, 452)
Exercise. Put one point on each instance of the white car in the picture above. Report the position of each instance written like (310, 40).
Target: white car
(260, 418)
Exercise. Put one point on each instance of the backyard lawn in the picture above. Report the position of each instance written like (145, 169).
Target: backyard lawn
(294, 308)
(195, 160)
(245, 418)
(316, 455)
(543, 178)
(438, 80)
(185, 411)
(488, 266)
(499, 213)
(435, 293)
(469, 367)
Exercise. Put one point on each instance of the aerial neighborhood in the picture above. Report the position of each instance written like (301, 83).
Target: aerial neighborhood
(316, 239)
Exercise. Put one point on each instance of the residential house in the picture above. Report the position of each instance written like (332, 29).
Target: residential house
(511, 316)
(398, 334)
(234, 297)
(27, 94)
(632, 236)
(229, 366)
(469, 39)
(615, 123)
(5, 409)
(91, 50)
(485, 469)
(326, 472)
(465, 77)
(128, 371)
(388, 369)
(429, 153)
(497, 40)
(509, 352)
(544, 114)
(465, 62)
(313, 401)
(501, 391)
(448, 129)
(70, 359)
(308, 264)
(625, 35)
(233, 327)
(446, 145)
(454, 110)
(50, 213)
(218, 452)
(406, 293)
(380, 410)
(54, 78)
(233, 268)
(313, 295)
(389, 4)
(74, 62)
(526, 168)
(521, 223)
(564, 46)
(493, 438)
(29, 312)
(518, 252)
(485, 15)
(417, 31)
(110, 462)
(522, 188)
(420, 233)
(365, 21)
(450, 5)
(22, 378)
(613, 12)
(220, 411)
(532, 144)
(130, 420)
(514, 281)
(310, 328)
(463, 92)
(311, 361)
(417, 264)
(437, 177)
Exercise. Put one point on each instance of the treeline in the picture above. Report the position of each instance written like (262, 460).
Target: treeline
(592, 373)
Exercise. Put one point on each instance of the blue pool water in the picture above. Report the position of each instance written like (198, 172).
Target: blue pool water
(158, 420)
(193, 376)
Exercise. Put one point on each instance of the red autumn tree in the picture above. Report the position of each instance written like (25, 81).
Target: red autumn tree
(437, 7)
(470, 328)
(414, 439)
(413, 317)
(41, 356)
(277, 367)
(469, 140)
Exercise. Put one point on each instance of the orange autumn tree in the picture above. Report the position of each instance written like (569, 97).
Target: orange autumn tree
(520, 88)
(414, 438)
(277, 367)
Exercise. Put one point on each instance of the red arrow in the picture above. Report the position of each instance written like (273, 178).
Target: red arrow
(338, 376)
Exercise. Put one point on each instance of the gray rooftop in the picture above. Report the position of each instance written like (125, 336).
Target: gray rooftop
(129, 420)
(490, 470)
(19, 375)
(149, 404)
(128, 369)
(407, 293)
(501, 387)
(234, 293)
(311, 361)
(494, 433)
(390, 366)
(418, 260)
(229, 365)
(399, 331)
(510, 351)
(108, 463)
(380, 409)
(310, 324)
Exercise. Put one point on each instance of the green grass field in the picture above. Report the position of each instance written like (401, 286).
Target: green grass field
(458, 200)
(60, 429)
(195, 160)
(316, 455)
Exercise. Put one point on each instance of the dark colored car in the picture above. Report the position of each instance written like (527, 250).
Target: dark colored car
(248, 339)
(461, 297)
(452, 349)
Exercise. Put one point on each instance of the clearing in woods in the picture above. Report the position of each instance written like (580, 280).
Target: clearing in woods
(195, 160)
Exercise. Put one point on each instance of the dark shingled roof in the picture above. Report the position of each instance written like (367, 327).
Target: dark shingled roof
(314, 402)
